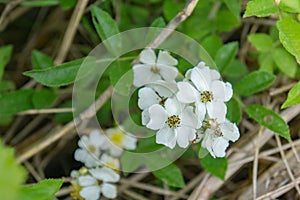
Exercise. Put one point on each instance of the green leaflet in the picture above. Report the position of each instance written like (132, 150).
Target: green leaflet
(293, 96)
(254, 82)
(63, 74)
(106, 27)
(260, 8)
(44, 190)
(289, 31)
(269, 119)
(216, 166)
(12, 174)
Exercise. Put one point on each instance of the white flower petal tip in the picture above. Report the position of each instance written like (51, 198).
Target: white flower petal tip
(217, 136)
(154, 68)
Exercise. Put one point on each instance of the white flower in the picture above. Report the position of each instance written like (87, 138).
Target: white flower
(155, 93)
(98, 182)
(217, 136)
(90, 148)
(174, 122)
(120, 140)
(207, 71)
(152, 69)
(207, 93)
(111, 162)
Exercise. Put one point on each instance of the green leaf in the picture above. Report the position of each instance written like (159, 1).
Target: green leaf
(121, 77)
(234, 112)
(12, 174)
(289, 31)
(266, 62)
(269, 119)
(235, 71)
(44, 190)
(64, 117)
(67, 4)
(225, 55)
(7, 85)
(211, 44)
(129, 162)
(235, 6)
(5, 54)
(261, 41)
(61, 75)
(14, 102)
(293, 96)
(290, 5)
(216, 166)
(40, 60)
(285, 62)
(171, 8)
(170, 175)
(226, 21)
(260, 8)
(254, 82)
(43, 98)
(40, 3)
(158, 22)
(106, 27)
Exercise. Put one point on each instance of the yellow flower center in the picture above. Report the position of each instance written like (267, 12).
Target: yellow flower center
(117, 138)
(173, 121)
(75, 192)
(206, 96)
(92, 148)
(155, 69)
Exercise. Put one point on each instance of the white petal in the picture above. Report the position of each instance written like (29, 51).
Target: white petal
(75, 173)
(184, 134)
(109, 190)
(228, 91)
(90, 193)
(148, 56)
(145, 117)
(115, 151)
(199, 80)
(165, 58)
(80, 155)
(83, 142)
(219, 146)
(167, 137)
(217, 110)
(173, 106)
(207, 141)
(158, 117)
(96, 138)
(215, 75)
(218, 90)
(164, 88)
(86, 180)
(189, 118)
(105, 174)
(91, 161)
(186, 92)
(168, 73)
(147, 97)
(200, 111)
(129, 141)
(201, 65)
(143, 75)
(230, 131)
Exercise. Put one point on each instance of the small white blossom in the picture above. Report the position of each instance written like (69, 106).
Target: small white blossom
(98, 181)
(174, 122)
(217, 136)
(155, 93)
(120, 140)
(111, 162)
(152, 69)
(90, 148)
(207, 93)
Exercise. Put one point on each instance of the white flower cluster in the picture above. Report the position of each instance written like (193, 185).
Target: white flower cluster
(186, 111)
(100, 154)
